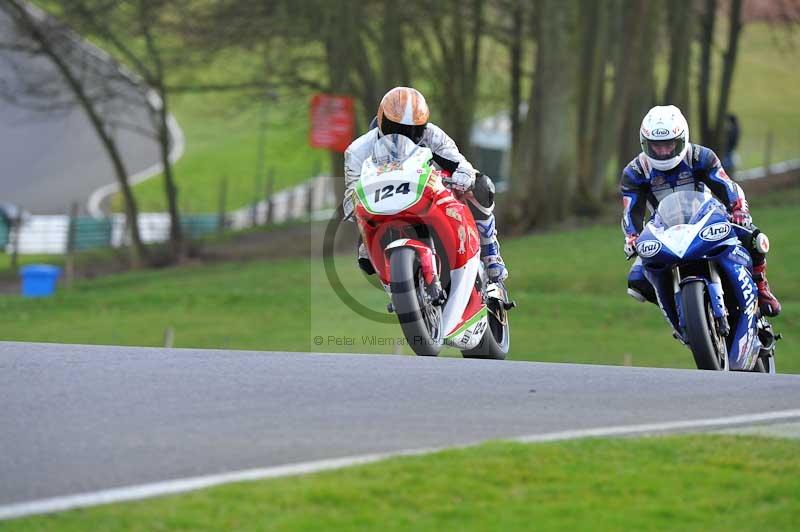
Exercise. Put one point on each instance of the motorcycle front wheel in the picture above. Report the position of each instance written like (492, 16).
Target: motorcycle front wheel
(420, 320)
(707, 344)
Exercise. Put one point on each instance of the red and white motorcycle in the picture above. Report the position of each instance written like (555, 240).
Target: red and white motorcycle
(425, 248)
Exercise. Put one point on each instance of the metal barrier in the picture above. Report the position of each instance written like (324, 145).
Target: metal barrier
(3, 233)
(198, 225)
(773, 169)
(54, 234)
(90, 233)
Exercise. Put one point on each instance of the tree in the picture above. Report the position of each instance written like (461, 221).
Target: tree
(516, 45)
(137, 32)
(728, 67)
(591, 88)
(82, 78)
(712, 126)
(708, 23)
(593, 105)
(450, 57)
(635, 90)
(544, 188)
(351, 47)
(508, 23)
(680, 23)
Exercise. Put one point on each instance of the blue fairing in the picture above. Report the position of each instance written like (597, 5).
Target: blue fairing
(716, 242)
(745, 340)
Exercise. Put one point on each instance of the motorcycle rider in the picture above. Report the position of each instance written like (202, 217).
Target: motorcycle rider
(669, 163)
(403, 111)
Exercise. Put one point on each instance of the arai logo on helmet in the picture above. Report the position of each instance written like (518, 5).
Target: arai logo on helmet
(648, 248)
(661, 132)
(715, 232)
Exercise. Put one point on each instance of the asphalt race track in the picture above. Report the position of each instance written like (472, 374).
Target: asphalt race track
(50, 159)
(77, 419)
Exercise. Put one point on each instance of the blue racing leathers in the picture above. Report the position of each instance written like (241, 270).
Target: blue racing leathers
(643, 187)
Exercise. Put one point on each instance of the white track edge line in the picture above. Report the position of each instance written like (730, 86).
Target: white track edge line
(171, 487)
(649, 428)
(93, 205)
(176, 133)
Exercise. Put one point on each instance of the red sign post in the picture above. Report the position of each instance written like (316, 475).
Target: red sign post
(332, 122)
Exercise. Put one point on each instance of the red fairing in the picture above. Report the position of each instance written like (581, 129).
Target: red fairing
(438, 209)
(426, 259)
(474, 305)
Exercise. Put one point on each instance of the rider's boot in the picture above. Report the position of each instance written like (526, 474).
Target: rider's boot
(639, 288)
(490, 250)
(770, 306)
(363, 260)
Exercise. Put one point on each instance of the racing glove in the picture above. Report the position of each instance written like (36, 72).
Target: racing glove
(461, 180)
(630, 245)
(740, 213)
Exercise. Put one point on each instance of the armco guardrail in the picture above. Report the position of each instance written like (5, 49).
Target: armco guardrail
(773, 169)
(49, 234)
(3, 234)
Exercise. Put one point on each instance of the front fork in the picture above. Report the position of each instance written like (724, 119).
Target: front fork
(426, 253)
(715, 294)
(717, 297)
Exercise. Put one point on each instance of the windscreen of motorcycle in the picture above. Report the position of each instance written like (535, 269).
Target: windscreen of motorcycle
(395, 175)
(685, 207)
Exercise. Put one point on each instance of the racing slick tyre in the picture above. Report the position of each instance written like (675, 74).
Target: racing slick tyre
(707, 345)
(497, 338)
(420, 319)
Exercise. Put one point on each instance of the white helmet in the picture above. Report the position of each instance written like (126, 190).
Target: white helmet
(664, 136)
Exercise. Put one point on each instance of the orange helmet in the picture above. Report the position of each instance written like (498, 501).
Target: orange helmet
(403, 111)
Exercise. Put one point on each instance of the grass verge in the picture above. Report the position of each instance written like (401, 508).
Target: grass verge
(764, 91)
(698, 482)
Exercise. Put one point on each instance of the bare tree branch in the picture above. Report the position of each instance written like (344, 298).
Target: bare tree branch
(61, 48)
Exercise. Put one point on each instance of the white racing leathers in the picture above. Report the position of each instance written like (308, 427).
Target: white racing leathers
(435, 138)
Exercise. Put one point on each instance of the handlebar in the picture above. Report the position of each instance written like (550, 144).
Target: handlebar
(445, 175)
(447, 181)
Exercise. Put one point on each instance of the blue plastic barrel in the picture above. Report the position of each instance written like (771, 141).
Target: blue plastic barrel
(39, 280)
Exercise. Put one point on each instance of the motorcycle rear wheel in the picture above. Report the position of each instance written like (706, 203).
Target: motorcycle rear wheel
(496, 339)
(701, 328)
(420, 320)
(765, 362)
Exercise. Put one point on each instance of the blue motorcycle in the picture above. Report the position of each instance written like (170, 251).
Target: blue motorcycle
(703, 279)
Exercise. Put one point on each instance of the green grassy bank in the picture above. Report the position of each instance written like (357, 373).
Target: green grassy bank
(684, 483)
